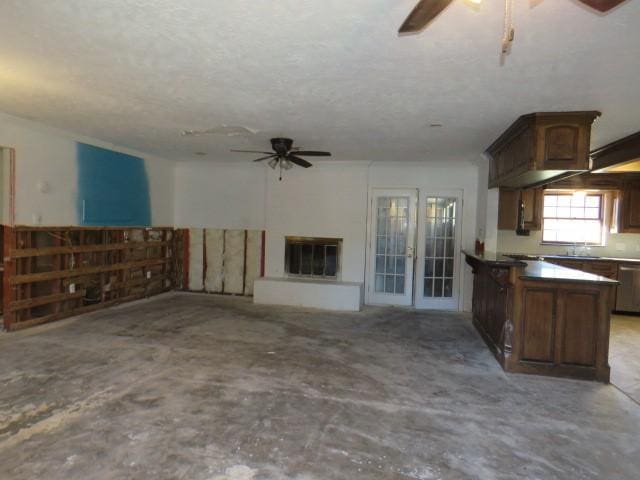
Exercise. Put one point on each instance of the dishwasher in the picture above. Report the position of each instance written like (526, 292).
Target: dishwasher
(628, 298)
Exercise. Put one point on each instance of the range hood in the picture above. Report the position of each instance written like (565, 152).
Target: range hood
(541, 148)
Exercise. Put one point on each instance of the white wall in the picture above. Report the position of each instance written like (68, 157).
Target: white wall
(220, 195)
(47, 154)
(330, 199)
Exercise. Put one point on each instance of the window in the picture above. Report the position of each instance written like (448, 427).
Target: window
(312, 257)
(573, 218)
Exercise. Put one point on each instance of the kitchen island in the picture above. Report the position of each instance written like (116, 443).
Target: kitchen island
(541, 318)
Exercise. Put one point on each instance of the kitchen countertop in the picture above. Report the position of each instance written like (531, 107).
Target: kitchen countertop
(540, 270)
(576, 257)
(497, 259)
(592, 259)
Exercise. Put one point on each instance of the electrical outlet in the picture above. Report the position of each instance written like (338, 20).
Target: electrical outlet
(72, 288)
(148, 274)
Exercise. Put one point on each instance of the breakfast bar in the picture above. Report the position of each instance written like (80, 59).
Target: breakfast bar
(541, 318)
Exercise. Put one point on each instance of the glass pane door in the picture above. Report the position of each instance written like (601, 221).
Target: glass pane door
(391, 244)
(391, 255)
(438, 271)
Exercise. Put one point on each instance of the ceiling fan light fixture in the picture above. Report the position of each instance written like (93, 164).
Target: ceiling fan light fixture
(286, 164)
(273, 163)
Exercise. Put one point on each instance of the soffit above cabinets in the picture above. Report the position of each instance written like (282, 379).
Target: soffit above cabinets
(621, 156)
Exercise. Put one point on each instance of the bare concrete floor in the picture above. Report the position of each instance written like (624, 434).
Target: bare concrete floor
(624, 354)
(201, 387)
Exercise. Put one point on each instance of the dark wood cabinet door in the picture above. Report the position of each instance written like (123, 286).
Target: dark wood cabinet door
(538, 324)
(508, 209)
(508, 206)
(630, 208)
(578, 326)
(533, 205)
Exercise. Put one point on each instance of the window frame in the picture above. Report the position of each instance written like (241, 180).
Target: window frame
(601, 218)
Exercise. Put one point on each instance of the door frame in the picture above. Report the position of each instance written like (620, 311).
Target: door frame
(444, 303)
(370, 257)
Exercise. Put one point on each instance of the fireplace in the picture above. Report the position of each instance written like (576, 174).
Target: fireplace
(313, 257)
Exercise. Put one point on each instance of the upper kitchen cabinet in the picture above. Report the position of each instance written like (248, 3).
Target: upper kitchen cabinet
(508, 208)
(629, 215)
(541, 147)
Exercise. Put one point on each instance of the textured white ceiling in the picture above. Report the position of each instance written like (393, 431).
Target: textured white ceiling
(332, 74)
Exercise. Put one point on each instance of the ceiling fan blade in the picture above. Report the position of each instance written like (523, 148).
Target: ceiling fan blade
(422, 14)
(264, 158)
(602, 5)
(298, 161)
(251, 151)
(311, 153)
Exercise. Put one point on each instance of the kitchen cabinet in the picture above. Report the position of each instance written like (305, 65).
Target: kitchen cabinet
(629, 207)
(541, 147)
(536, 321)
(604, 268)
(509, 202)
(508, 209)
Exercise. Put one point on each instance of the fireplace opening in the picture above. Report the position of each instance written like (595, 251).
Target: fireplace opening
(313, 257)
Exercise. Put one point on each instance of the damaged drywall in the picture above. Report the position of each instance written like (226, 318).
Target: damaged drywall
(224, 261)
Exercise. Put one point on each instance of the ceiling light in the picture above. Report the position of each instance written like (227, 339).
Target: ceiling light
(273, 163)
(286, 164)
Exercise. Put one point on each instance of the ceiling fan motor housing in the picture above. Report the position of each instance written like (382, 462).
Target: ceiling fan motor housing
(281, 146)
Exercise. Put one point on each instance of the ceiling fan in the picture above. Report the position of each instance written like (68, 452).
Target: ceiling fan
(285, 155)
(427, 10)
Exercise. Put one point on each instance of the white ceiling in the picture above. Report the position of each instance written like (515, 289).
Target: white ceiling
(332, 74)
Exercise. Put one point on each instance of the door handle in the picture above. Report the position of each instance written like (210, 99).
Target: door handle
(409, 252)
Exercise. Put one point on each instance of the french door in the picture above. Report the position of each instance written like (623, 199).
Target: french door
(438, 254)
(401, 273)
(392, 246)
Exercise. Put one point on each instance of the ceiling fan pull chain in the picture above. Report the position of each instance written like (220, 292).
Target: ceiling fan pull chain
(508, 33)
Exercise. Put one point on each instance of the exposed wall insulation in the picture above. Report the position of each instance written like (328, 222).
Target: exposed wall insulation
(234, 258)
(214, 259)
(252, 270)
(229, 261)
(55, 272)
(196, 259)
